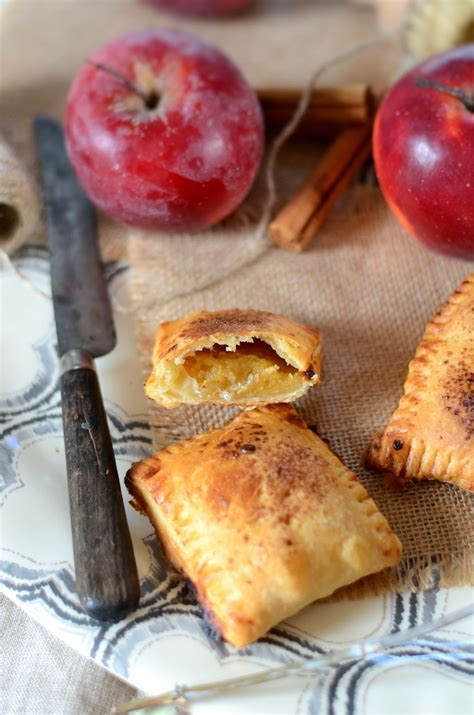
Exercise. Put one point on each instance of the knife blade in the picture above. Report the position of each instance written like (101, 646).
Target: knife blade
(106, 573)
(83, 317)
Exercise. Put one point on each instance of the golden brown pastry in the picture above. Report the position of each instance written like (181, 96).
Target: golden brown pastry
(431, 433)
(262, 517)
(233, 357)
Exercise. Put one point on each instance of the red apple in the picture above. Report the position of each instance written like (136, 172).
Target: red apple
(202, 7)
(424, 151)
(179, 148)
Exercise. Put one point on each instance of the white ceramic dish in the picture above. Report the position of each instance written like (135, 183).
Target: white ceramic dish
(166, 641)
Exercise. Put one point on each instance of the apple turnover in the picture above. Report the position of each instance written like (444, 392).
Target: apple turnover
(263, 519)
(233, 357)
(431, 433)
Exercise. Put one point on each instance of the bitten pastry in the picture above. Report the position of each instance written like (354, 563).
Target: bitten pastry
(262, 517)
(233, 357)
(431, 433)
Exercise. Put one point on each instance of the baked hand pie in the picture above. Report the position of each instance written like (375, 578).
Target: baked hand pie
(262, 517)
(233, 357)
(431, 433)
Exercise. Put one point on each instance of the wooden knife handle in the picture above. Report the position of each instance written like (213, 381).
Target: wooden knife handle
(106, 573)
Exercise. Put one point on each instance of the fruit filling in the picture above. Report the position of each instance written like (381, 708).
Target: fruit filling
(251, 370)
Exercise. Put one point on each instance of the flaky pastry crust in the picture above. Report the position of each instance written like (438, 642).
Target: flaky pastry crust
(431, 433)
(262, 517)
(233, 357)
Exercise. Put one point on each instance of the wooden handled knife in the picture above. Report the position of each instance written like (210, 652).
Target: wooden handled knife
(106, 573)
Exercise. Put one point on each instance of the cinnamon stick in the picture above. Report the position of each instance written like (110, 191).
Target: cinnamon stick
(329, 107)
(300, 219)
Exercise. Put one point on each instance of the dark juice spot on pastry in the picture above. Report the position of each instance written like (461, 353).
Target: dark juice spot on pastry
(295, 419)
(397, 445)
(248, 448)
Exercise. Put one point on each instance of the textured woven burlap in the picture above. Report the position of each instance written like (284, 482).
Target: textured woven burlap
(364, 282)
(370, 289)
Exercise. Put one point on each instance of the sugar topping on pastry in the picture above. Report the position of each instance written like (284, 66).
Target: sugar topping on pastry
(262, 517)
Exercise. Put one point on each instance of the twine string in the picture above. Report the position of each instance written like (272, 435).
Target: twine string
(7, 262)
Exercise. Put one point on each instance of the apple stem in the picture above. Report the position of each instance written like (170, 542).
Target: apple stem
(453, 91)
(150, 99)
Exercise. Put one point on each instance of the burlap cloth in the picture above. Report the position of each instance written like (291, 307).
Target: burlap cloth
(41, 675)
(364, 283)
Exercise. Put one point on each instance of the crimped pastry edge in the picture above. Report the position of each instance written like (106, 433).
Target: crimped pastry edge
(417, 460)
